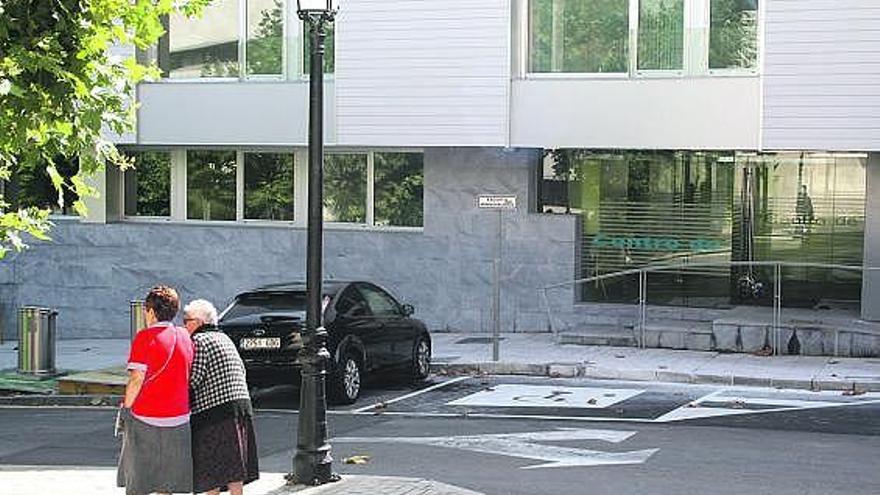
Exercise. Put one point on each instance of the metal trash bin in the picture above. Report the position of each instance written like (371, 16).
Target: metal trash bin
(137, 320)
(36, 340)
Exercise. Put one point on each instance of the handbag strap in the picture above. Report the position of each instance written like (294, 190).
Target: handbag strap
(170, 354)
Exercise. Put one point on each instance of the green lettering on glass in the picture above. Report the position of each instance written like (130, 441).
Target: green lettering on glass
(669, 244)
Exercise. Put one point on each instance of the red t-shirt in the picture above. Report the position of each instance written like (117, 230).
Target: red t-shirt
(164, 396)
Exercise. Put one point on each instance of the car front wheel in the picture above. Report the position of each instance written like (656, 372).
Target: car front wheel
(347, 382)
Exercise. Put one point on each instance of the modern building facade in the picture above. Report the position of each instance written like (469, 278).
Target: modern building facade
(632, 133)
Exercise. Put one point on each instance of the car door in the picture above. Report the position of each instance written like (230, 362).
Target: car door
(397, 334)
(355, 318)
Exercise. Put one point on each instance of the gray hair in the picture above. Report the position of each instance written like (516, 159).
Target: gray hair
(202, 310)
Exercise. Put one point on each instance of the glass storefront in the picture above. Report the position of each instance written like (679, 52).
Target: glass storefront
(643, 208)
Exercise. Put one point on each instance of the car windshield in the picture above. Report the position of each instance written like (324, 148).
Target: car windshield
(267, 303)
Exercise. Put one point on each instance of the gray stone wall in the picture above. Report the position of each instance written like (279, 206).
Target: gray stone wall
(91, 271)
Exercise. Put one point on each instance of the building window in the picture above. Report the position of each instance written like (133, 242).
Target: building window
(264, 51)
(268, 186)
(648, 208)
(148, 184)
(638, 36)
(661, 34)
(345, 187)
(367, 188)
(210, 185)
(733, 34)
(205, 46)
(376, 188)
(399, 186)
(29, 185)
(587, 36)
(236, 39)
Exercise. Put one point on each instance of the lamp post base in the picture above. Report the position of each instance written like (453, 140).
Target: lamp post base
(312, 464)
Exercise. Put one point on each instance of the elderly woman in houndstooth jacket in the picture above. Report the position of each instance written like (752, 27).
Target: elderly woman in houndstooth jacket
(223, 444)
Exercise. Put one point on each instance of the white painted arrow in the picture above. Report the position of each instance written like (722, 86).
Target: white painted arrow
(524, 445)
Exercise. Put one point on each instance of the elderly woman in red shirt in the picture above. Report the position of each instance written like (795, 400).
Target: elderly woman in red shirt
(156, 445)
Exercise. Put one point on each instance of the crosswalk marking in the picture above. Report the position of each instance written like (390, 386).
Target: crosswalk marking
(515, 395)
(738, 402)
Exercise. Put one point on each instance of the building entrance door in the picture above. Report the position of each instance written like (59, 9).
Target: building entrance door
(643, 208)
(796, 208)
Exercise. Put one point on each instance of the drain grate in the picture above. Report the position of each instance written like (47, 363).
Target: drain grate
(476, 340)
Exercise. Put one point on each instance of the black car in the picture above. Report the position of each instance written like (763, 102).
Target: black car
(368, 331)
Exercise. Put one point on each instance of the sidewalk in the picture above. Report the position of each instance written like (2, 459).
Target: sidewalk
(539, 354)
(102, 481)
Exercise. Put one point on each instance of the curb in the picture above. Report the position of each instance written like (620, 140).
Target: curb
(61, 401)
(580, 370)
(551, 370)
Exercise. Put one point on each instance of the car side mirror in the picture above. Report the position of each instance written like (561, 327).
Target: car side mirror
(408, 310)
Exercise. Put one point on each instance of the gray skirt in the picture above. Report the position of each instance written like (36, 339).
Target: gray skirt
(154, 459)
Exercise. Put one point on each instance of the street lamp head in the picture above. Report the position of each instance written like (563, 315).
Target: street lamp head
(317, 6)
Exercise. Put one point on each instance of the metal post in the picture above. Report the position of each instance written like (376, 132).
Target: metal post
(496, 290)
(549, 312)
(643, 303)
(312, 463)
(136, 319)
(777, 307)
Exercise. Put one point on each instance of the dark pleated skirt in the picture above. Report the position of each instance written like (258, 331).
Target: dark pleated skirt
(154, 459)
(224, 450)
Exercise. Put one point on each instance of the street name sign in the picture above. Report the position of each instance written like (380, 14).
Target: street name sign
(496, 201)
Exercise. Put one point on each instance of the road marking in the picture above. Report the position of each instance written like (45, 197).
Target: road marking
(93, 480)
(731, 403)
(524, 445)
(373, 407)
(540, 417)
(515, 395)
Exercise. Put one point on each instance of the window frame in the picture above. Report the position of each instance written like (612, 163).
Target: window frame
(527, 62)
(242, 28)
(243, 32)
(240, 187)
(292, 51)
(121, 190)
(696, 37)
(635, 23)
(179, 192)
(370, 210)
(759, 45)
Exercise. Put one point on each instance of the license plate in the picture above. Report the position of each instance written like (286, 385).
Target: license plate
(249, 344)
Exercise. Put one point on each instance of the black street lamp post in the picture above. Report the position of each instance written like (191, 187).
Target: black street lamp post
(312, 464)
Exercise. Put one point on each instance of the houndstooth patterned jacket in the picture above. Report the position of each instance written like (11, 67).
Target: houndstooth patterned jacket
(218, 373)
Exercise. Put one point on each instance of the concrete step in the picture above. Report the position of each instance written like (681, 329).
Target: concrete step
(108, 381)
(806, 339)
(605, 335)
(696, 335)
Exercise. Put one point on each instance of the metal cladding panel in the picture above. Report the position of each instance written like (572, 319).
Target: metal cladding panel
(229, 113)
(423, 73)
(685, 113)
(821, 66)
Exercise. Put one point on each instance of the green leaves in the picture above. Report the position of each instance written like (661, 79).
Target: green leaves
(62, 89)
(31, 221)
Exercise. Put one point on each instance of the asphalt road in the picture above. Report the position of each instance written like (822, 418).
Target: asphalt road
(506, 435)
